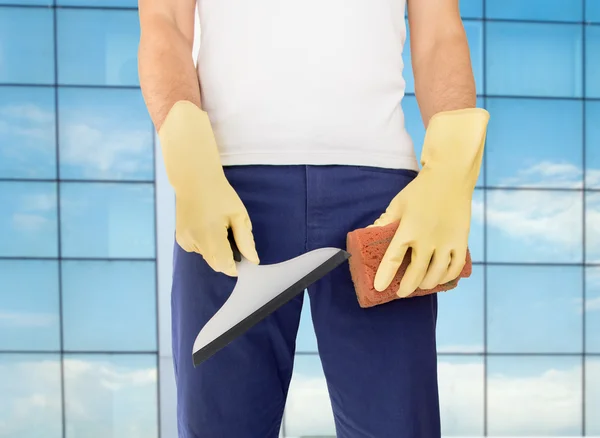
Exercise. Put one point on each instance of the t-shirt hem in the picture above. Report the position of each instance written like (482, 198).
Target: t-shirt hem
(366, 159)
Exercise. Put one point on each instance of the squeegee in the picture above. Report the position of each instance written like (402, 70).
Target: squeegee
(258, 292)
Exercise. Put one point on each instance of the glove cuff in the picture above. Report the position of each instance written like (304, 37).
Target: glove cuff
(189, 147)
(455, 139)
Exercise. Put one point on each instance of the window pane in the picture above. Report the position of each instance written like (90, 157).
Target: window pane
(474, 31)
(308, 409)
(592, 61)
(29, 305)
(27, 121)
(592, 393)
(592, 222)
(107, 220)
(110, 396)
(168, 396)
(460, 316)
(477, 221)
(538, 310)
(99, 3)
(592, 10)
(461, 381)
(535, 143)
(522, 59)
(26, 31)
(414, 122)
(408, 72)
(123, 293)
(27, 2)
(592, 310)
(592, 153)
(28, 219)
(105, 134)
(471, 8)
(558, 10)
(534, 396)
(30, 401)
(534, 226)
(97, 47)
(306, 341)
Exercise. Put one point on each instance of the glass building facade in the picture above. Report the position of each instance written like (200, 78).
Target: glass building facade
(86, 223)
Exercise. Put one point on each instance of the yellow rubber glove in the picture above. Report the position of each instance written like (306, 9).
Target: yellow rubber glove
(206, 204)
(435, 208)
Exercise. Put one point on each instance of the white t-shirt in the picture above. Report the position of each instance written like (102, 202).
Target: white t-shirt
(305, 81)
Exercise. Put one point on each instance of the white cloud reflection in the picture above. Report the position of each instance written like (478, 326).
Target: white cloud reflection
(546, 403)
(105, 397)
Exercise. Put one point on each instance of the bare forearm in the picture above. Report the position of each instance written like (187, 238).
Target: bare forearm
(444, 75)
(166, 68)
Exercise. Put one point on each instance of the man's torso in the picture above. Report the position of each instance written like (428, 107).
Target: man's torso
(305, 81)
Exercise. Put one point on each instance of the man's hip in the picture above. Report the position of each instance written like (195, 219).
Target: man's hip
(379, 363)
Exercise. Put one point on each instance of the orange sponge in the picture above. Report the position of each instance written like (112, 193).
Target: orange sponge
(367, 247)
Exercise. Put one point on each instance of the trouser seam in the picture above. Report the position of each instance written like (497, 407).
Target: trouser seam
(306, 208)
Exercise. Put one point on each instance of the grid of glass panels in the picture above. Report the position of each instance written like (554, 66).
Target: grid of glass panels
(78, 316)
(519, 342)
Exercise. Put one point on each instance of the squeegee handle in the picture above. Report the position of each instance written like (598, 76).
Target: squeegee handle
(237, 255)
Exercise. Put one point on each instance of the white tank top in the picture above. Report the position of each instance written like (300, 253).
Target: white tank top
(305, 81)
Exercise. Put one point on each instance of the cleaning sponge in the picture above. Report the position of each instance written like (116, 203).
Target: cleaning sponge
(367, 247)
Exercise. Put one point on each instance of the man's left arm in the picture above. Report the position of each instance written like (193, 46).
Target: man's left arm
(434, 210)
(440, 57)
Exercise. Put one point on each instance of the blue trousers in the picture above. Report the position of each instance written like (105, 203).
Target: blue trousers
(379, 363)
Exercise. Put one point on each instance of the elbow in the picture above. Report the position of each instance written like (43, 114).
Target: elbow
(162, 33)
(447, 44)
(445, 39)
(160, 26)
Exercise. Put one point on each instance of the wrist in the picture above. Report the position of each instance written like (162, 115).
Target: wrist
(190, 152)
(455, 139)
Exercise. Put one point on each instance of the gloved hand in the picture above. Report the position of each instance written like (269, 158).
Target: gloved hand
(435, 208)
(206, 204)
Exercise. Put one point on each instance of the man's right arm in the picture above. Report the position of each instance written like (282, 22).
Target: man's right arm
(166, 67)
(207, 206)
